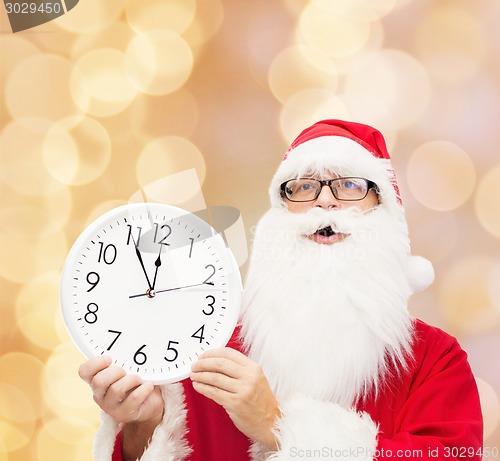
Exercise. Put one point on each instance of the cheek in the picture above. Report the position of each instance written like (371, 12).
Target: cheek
(299, 207)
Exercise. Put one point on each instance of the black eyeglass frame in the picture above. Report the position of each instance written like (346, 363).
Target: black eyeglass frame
(328, 182)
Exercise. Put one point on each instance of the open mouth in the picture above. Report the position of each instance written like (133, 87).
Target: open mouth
(326, 235)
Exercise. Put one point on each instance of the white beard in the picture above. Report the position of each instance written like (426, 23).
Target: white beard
(328, 320)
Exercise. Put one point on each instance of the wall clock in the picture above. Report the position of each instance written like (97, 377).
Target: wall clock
(152, 286)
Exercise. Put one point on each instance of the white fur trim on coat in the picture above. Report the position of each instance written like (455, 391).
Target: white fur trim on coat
(168, 442)
(314, 429)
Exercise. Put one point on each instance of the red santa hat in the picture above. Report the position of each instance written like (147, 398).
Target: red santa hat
(349, 149)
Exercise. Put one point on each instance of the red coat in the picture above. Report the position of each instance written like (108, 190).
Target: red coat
(432, 412)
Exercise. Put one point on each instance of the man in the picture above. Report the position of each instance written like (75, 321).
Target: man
(328, 363)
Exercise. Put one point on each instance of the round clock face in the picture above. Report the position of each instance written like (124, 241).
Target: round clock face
(152, 286)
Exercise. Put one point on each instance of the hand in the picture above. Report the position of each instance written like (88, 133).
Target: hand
(124, 397)
(238, 384)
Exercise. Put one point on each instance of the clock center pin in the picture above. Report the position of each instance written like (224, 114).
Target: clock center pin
(151, 293)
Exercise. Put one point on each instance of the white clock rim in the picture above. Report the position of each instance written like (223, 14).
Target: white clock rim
(66, 277)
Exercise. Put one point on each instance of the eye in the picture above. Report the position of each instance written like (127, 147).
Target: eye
(352, 184)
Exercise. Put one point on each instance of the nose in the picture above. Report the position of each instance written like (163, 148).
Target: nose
(326, 199)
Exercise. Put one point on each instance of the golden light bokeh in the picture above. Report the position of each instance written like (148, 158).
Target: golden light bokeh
(465, 294)
(194, 102)
(91, 16)
(164, 156)
(158, 61)
(441, 175)
(486, 201)
(335, 33)
(174, 15)
(76, 154)
(103, 87)
(301, 67)
(452, 43)
(40, 87)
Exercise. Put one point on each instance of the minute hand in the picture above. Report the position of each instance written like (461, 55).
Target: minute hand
(173, 289)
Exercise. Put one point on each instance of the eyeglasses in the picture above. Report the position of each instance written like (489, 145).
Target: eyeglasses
(308, 189)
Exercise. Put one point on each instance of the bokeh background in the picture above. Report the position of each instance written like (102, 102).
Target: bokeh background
(118, 94)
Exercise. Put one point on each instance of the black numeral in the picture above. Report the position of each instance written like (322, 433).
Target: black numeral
(212, 268)
(107, 253)
(91, 315)
(117, 333)
(173, 350)
(94, 282)
(169, 231)
(210, 304)
(140, 357)
(130, 236)
(191, 246)
(198, 334)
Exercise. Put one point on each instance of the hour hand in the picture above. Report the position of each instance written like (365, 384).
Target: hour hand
(157, 264)
(139, 256)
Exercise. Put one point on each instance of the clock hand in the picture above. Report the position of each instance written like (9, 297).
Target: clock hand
(157, 264)
(172, 289)
(138, 253)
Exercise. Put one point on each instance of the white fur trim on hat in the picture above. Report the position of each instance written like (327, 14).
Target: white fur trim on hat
(340, 155)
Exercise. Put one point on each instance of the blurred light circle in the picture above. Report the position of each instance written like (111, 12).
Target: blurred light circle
(21, 157)
(116, 36)
(307, 107)
(24, 258)
(300, 67)
(77, 154)
(22, 372)
(102, 208)
(39, 87)
(157, 116)
(14, 50)
(441, 175)
(206, 23)
(366, 10)
(91, 16)
(451, 42)
(35, 217)
(167, 155)
(494, 286)
(464, 294)
(17, 418)
(103, 87)
(174, 15)
(37, 306)
(396, 80)
(486, 202)
(63, 390)
(331, 31)
(490, 406)
(158, 61)
(64, 438)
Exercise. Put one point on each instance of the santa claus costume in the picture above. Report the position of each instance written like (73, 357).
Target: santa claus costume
(356, 377)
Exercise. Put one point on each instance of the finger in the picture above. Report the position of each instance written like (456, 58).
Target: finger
(213, 393)
(119, 390)
(93, 366)
(102, 381)
(130, 408)
(216, 380)
(221, 365)
(228, 353)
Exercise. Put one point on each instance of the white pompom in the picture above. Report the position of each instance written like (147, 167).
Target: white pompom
(420, 273)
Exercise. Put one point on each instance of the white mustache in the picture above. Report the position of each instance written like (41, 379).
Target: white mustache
(341, 221)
